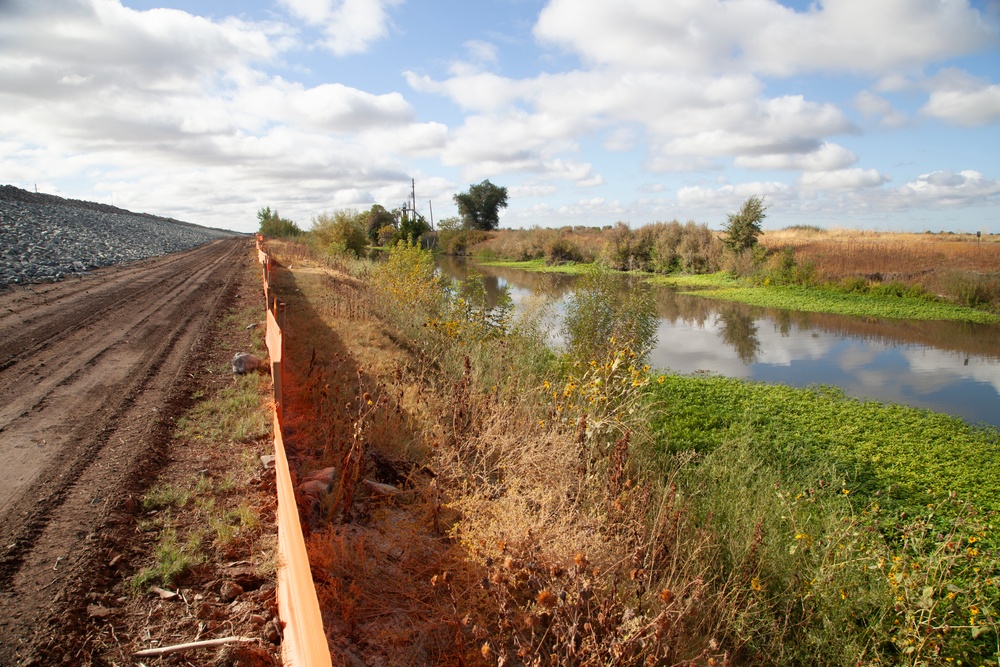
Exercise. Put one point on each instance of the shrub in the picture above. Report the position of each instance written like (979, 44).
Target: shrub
(274, 226)
(407, 283)
(385, 234)
(784, 269)
(343, 232)
(974, 289)
(666, 257)
(700, 251)
(412, 228)
(627, 250)
(460, 242)
(562, 250)
(602, 316)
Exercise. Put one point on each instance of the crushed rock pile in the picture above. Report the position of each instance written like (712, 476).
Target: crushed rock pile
(44, 237)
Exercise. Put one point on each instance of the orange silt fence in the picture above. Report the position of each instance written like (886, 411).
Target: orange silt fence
(304, 643)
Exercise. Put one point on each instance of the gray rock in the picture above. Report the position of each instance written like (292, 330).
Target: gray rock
(46, 237)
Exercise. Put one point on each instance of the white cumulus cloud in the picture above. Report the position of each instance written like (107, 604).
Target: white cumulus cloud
(826, 157)
(948, 188)
(842, 180)
(349, 26)
(959, 98)
(879, 108)
(764, 35)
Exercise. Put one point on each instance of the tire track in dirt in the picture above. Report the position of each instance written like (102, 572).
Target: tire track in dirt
(83, 411)
(32, 316)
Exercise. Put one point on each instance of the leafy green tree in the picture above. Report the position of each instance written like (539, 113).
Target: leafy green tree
(452, 224)
(386, 234)
(375, 219)
(744, 226)
(340, 233)
(480, 206)
(273, 225)
(412, 228)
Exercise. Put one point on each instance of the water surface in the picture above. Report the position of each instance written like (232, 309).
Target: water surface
(949, 367)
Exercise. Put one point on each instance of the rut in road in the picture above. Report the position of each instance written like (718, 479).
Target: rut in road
(87, 370)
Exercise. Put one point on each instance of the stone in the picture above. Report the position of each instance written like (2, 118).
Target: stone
(229, 591)
(379, 489)
(315, 487)
(98, 611)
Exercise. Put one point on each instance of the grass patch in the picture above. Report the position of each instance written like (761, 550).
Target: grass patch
(172, 559)
(233, 523)
(163, 496)
(699, 281)
(884, 303)
(539, 266)
(234, 414)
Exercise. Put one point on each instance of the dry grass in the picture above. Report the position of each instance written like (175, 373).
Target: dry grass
(512, 539)
(841, 253)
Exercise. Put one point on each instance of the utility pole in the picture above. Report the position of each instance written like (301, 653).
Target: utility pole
(413, 195)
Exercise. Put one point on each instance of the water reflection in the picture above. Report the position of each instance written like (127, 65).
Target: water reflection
(949, 367)
(739, 329)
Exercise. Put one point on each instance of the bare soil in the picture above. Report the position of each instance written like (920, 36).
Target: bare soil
(93, 373)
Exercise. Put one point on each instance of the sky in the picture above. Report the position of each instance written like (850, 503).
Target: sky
(870, 114)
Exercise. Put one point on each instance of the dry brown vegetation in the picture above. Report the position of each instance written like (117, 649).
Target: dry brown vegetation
(960, 267)
(842, 253)
(509, 539)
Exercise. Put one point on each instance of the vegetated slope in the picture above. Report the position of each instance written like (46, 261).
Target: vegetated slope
(44, 237)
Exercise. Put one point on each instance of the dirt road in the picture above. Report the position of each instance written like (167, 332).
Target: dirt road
(89, 372)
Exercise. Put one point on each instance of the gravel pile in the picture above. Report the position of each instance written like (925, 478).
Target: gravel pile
(44, 238)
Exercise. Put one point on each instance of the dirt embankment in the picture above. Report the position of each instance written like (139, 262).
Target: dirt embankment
(92, 373)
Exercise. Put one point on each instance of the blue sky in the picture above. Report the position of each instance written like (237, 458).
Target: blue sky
(880, 115)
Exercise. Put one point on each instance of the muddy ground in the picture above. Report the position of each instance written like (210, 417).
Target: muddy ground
(94, 373)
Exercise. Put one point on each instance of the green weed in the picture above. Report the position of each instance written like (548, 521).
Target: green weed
(163, 496)
(912, 454)
(172, 561)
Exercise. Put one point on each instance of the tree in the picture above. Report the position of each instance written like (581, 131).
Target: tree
(340, 233)
(450, 225)
(412, 228)
(480, 206)
(273, 225)
(743, 227)
(377, 218)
